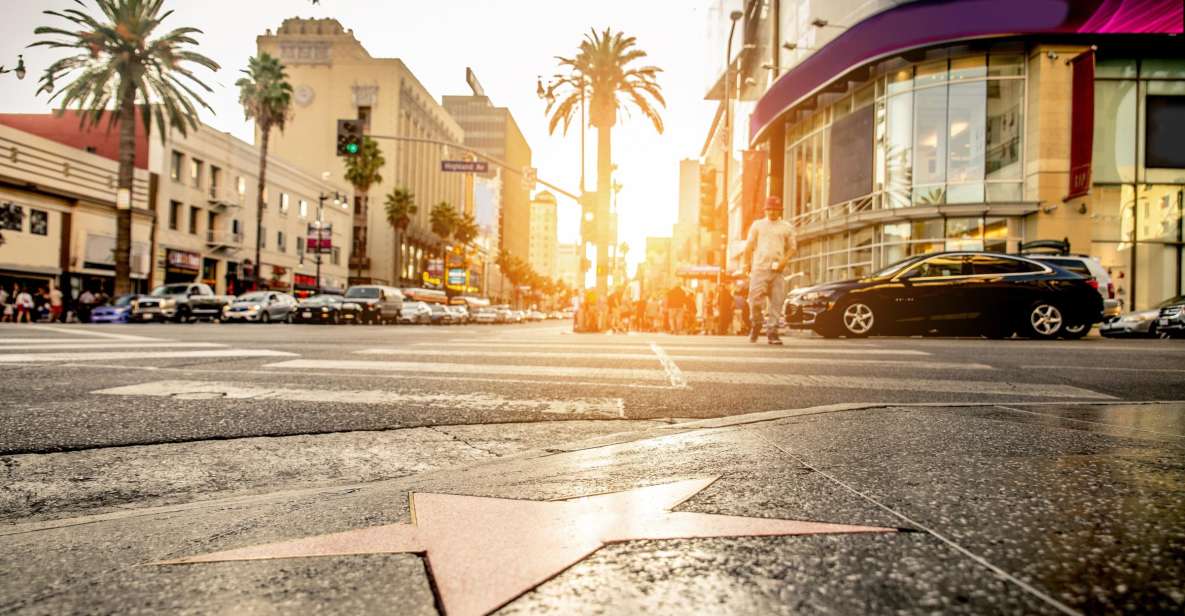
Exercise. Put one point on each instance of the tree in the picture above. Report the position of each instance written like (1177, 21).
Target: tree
(443, 221)
(401, 206)
(602, 70)
(119, 62)
(266, 97)
(362, 172)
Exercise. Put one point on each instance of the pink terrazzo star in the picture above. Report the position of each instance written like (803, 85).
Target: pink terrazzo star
(484, 552)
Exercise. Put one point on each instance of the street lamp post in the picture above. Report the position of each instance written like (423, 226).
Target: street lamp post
(337, 198)
(734, 17)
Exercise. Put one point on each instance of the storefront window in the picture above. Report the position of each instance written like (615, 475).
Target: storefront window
(929, 138)
(964, 233)
(966, 142)
(1114, 131)
(899, 150)
(1003, 126)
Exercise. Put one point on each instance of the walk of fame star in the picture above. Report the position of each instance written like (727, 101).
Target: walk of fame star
(484, 552)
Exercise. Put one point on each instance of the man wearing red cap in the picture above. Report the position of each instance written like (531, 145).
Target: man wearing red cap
(768, 249)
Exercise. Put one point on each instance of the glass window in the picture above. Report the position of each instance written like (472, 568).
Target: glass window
(1159, 216)
(1006, 65)
(174, 214)
(969, 67)
(901, 81)
(1162, 68)
(939, 267)
(966, 142)
(38, 222)
(1115, 68)
(280, 245)
(996, 234)
(1112, 213)
(1114, 131)
(929, 138)
(175, 167)
(242, 185)
(1158, 271)
(283, 203)
(1003, 125)
(931, 73)
(195, 173)
(990, 264)
(964, 233)
(899, 150)
(303, 208)
(193, 219)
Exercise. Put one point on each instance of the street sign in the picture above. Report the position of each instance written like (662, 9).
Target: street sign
(530, 177)
(320, 238)
(465, 166)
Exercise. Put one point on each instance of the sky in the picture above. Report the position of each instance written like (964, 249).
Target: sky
(508, 43)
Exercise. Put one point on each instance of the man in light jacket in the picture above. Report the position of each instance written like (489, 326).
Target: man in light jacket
(768, 249)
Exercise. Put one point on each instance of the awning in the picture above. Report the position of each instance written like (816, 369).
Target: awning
(931, 22)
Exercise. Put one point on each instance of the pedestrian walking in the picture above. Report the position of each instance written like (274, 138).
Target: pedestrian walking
(741, 304)
(24, 305)
(724, 309)
(86, 303)
(768, 249)
(55, 303)
(675, 301)
(7, 307)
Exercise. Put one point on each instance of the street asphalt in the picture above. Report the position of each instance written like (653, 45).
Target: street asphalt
(1007, 476)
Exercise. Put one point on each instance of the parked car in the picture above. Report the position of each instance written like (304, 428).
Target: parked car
(260, 307)
(118, 310)
(460, 314)
(535, 315)
(503, 314)
(486, 315)
(1138, 324)
(981, 293)
(415, 312)
(1090, 268)
(181, 302)
(380, 304)
(517, 316)
(1171, 321)
(330, 309)
(440, 315)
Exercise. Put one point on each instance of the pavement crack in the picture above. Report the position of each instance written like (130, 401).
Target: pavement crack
(464, 442)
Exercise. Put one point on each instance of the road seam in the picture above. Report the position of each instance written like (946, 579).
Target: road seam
(1058, 605)
(678, 381)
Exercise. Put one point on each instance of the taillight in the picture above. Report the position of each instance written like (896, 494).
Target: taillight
(1093, 282)
(1110, 290)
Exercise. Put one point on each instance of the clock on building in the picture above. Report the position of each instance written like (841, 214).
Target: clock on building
(303, 95)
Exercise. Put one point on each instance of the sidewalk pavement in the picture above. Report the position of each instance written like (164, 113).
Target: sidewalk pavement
(1036, 508)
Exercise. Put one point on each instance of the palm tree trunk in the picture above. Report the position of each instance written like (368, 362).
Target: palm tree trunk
(260, 203)
(604, 186)
(123, 211)
(398, 274)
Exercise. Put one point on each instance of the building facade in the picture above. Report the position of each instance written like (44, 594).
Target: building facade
(568, 265)
(544, 238)
(57, 216)
(493, 131)
(891, 129)
(202, 200)
(334, 77)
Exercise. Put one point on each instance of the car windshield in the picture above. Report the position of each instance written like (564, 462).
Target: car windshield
(123, 300)
(1172, 301)
(321, 300)
(252, 297)
(363, 293)
(437, 308)
(170, 289)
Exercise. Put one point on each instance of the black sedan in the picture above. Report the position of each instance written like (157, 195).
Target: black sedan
(977, 293)
(327, 309)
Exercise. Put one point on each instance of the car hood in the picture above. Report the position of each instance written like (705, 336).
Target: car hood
(240, 303)
(362, 301)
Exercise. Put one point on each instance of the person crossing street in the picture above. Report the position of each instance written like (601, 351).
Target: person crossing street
(768, 249)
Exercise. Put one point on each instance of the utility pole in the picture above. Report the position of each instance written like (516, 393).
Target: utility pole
(337, 198)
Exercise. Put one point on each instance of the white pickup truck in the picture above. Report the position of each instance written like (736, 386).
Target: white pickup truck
(180, 302)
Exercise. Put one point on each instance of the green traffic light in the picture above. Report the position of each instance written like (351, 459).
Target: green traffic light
(352, 148)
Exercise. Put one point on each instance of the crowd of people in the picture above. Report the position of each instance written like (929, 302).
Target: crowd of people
(47, 305)
(681, 310)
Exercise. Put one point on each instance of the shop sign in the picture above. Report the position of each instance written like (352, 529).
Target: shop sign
(457, 278)
(304, 281)
(182, 260)
(1081, 124)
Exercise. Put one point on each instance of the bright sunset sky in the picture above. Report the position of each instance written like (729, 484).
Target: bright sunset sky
(507, 43)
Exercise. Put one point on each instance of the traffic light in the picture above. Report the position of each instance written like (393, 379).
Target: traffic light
(588, 217)
(349, 137)
(707, 197)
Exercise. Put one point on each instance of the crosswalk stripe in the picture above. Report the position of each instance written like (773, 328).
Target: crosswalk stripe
(19, 358)
(95, 344)
(90, 332)
(640, 345)
(751, 359)
(693, 377)
(207, 390)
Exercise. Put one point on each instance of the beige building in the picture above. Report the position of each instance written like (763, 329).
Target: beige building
(543, 238)
(334, 78)
(568, 265)
(206, 213)
(57, 216)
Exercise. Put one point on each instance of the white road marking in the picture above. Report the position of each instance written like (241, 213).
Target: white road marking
(484, 371)
(19, 358)
(91, 332)
(673, 372)
(95, 344)
(748, 351)
(213, 390)
(721, 359)
(1103, 368)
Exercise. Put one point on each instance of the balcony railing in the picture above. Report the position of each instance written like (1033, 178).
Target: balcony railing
(222, 198)
(216, 240)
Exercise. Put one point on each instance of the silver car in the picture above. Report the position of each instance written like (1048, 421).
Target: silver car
(1138, 324)
(260, 307)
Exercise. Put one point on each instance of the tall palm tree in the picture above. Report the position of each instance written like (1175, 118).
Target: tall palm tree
(119, 61)
(443, 221)
(602, 69)
(266, 97)
(401, 206)
(362, 172)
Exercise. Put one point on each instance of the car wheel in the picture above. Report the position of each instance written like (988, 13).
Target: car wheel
(1074, 332)
(857, 320)
(266, 317)
(1044, 321)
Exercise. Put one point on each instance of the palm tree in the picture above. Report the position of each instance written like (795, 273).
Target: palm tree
(443, 221)
(601, 69)
(266, 97)
(119, 61)
(362, 172)
(401, 206)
